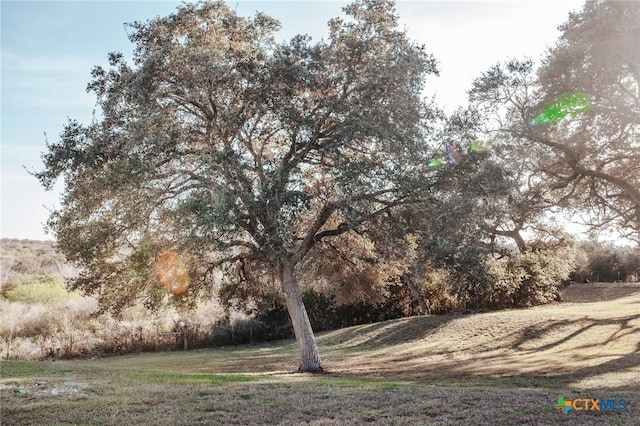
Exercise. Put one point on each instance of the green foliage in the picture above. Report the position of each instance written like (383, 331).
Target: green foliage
(236, 151)
(606, 263)
(33, 289)
(530, 278)
(191, 379)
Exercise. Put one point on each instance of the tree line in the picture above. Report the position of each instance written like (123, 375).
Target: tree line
(40, 319)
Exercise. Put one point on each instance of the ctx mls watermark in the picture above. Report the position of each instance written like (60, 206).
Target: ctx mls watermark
(590, 404)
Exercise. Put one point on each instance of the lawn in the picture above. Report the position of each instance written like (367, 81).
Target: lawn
(504, 368)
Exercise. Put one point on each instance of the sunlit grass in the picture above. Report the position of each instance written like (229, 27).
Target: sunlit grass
(32, 369)
(190, 379)
(425, 370)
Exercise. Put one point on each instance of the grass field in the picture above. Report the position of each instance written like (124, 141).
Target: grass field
(500, 368)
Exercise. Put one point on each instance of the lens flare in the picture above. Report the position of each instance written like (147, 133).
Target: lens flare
(572, 105)
(478, 146)
(453, 157)
(172, 272)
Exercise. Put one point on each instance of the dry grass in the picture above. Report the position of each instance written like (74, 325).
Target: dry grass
(492, 368)
(582, 346)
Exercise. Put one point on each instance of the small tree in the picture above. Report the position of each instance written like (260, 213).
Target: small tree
(239, 152)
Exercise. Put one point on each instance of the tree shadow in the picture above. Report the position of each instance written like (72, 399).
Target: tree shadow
(550, 354)
(385, 334)
(598, 292)
(623, 362)
(536, 332)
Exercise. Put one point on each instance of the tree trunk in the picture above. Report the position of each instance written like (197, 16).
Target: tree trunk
(309, 356)
(422, 302)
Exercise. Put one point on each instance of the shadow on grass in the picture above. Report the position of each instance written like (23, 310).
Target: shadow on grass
(550, 353)
(585, 324)
(591, 349)
(598, 292)
(385, 334)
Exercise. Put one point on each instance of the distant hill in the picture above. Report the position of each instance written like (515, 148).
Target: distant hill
(20, 258)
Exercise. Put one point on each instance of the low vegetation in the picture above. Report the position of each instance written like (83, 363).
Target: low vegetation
(40, 318)
(501, 368)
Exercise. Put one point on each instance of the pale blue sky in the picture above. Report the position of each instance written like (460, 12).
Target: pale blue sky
(49, 48)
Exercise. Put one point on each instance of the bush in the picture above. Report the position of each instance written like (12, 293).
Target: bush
(32, 289)
(439, 291)
(530, 278)
(20, 322)
(23, 257)
(606, 263)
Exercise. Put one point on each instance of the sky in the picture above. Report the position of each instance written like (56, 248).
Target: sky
(48, 49)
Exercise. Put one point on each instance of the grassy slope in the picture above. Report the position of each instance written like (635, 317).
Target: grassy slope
(494, 368)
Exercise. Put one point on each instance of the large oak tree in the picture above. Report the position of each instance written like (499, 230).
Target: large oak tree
(585, 157)
(239, 152)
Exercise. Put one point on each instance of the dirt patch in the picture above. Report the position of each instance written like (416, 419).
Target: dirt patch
(41, 389)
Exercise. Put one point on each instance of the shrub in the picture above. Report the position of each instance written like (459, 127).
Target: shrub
(530, 278)
(32, 289)
(604, 262)
(22, 257)
(440, 292)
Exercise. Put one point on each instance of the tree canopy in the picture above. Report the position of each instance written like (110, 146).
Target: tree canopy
(234, 150)
(573, 128)
(270, 167)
